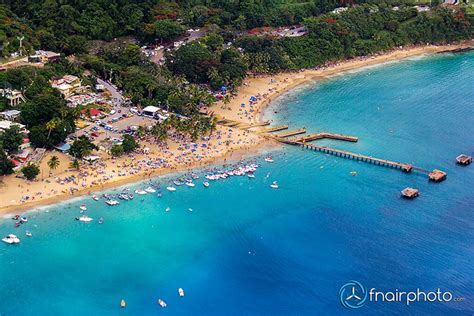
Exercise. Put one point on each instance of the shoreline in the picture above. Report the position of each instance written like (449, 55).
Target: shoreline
(231, 156)
(279, 84)
(273, 86)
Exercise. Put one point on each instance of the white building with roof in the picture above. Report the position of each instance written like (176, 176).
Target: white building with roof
(150, 110)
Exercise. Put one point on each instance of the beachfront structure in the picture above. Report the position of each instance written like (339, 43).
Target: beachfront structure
(464, 159)
(339, 10)
(82, 99)
(7, 124)
(150, 111)
(14, 97)
(43, 56)
(10, 115)
(67, 84)
(409, 193)
(63, 147)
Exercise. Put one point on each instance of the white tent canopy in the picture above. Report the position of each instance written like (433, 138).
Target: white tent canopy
(150, 110)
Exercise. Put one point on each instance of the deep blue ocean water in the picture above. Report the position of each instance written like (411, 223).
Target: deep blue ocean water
(249, 250)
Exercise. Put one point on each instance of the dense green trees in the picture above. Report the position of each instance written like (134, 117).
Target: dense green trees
(207, 61)
(117, 150)
(45, 112)
(82, 147)
(11, 138)
(6, 166)
(163, 30)
(129, 144)
(359, 31)
(30, 171)
(49, 119)
(12, 28)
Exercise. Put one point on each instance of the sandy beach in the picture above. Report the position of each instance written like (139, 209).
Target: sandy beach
(225, 144)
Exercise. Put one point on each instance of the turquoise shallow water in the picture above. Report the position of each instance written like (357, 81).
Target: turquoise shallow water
(248, 249)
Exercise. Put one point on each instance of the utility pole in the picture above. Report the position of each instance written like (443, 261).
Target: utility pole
(21, 43)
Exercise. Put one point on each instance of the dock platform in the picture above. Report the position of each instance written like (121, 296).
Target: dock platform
(291, 133)
(322, 135)
(346, 154)
(273, 129)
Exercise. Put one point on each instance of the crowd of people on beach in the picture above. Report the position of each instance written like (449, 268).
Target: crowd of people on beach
(178, 153)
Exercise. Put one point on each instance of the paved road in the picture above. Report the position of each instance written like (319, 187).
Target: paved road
(116, 95)
(158, 54)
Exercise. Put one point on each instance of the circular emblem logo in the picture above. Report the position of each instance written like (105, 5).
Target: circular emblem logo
(352, 295)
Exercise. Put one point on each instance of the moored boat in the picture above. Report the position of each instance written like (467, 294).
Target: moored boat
(123, 197)
(171, 188)
(112, 202)
(161, 303)
(150, 190)
(181, 292)
(274, 185)
(206, 184)
(269, 159)
(84, 218)
(140, 192)
(11, 239)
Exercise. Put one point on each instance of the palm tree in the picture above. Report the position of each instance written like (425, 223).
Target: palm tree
(160, 132)
(52, 124)
(75, 164)
(226, 99)
(140, 131)
(53, 163)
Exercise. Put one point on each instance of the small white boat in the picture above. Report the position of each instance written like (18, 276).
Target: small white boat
(190, 184)
(101, 220)
(140, 192)
(181, 292)
(177, 182)
(24, 219)
(83, 207)
(190, 209)
(11, 239)
(168, 209)
(150, 190)
(206, 184)
(251, 175)
(124, 197)
(171, 188)
(28, 233)
(95, 197)
(84, 218)
(112, 202)
(161, 302)
(274, 185)
(269, 159)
